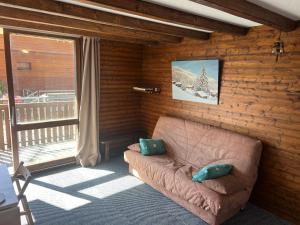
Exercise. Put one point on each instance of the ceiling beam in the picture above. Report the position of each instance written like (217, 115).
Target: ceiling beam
(24, 25)
(100, 29)
(154, 11)
(78, 12)
(252, 12)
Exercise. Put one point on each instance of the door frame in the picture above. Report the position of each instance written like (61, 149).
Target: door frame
(15, 127)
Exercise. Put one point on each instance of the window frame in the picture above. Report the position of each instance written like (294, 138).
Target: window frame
(15, 127)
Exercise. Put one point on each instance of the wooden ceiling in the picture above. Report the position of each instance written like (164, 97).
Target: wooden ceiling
(55, 16)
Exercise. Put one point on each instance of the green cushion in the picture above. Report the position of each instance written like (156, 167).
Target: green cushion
(152, 147)
(212, 171)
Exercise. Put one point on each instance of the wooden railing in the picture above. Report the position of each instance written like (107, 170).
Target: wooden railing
(38, 112)
(5, 143)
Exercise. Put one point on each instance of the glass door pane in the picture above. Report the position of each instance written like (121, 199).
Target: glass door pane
(43, 91)
(43, 145)
(44, 75)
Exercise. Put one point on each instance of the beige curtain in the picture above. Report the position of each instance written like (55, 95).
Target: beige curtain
(88, 136)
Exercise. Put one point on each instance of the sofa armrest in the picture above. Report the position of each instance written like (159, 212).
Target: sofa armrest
(226, 185)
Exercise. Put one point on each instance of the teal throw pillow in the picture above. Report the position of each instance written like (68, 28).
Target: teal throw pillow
(152, 146)
(212, 172)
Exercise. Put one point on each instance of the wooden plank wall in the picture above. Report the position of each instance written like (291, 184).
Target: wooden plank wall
(255, 100)
(121, 68)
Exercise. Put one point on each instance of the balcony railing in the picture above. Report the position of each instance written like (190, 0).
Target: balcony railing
(38, 112)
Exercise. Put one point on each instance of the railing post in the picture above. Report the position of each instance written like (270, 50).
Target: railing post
(2, 118)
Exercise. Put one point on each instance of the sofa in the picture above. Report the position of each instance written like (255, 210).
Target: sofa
(191, 146)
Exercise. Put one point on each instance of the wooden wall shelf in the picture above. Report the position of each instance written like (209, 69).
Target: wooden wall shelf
(147, 90)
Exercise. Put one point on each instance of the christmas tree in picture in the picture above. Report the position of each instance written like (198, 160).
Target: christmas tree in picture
(201, 83)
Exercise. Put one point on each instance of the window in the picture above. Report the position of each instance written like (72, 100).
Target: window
(23, 66)
(42, 88)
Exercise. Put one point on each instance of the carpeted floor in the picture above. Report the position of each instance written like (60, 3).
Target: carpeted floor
(108, 195)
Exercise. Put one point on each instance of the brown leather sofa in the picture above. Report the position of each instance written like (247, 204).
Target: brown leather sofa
(191, 146)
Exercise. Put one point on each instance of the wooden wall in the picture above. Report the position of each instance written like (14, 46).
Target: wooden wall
(255, 99)
(121, 68)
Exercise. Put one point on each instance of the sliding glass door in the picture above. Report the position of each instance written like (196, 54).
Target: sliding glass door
(42, 82)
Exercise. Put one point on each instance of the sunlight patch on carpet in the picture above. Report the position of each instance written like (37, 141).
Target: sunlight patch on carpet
(52, 197)
(74, 176)
(112, 187)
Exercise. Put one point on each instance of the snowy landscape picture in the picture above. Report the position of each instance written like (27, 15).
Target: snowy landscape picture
(196, 80)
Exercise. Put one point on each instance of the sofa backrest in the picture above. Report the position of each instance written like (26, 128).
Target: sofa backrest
(198, 144)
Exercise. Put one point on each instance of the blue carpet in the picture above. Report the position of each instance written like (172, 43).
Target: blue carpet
(108, 195)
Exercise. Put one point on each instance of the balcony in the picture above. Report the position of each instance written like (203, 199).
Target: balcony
(39, 145)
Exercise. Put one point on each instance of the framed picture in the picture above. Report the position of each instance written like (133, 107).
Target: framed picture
(196, 80)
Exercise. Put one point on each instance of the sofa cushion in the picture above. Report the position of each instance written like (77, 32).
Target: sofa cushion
(159, 168)
(212, 171)
(152, 147)
(198, 194)
(226, 185)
